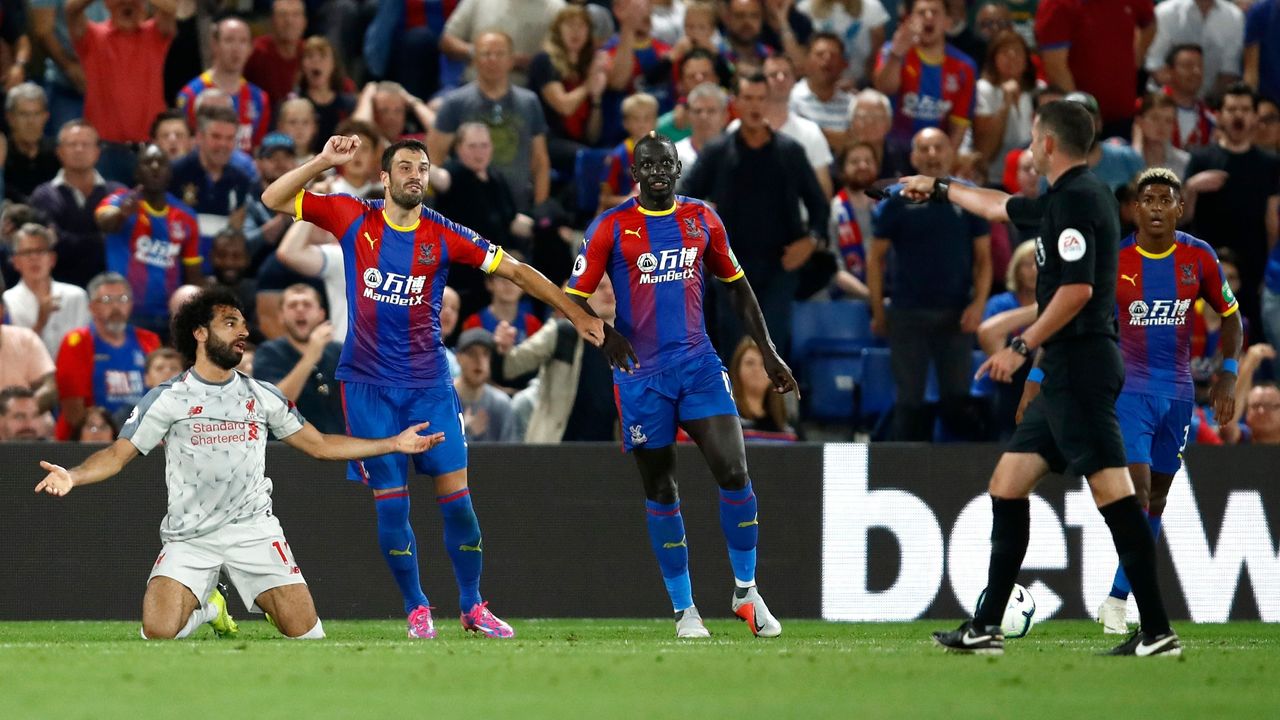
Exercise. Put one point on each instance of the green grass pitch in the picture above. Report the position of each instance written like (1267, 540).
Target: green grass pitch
(627, 669)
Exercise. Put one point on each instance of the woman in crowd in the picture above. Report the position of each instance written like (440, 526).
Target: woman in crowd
(1007, 314)
(1003, 115)
(297, 119)
(326, 85)
(97, 426)
(569, 77)
(762, 411)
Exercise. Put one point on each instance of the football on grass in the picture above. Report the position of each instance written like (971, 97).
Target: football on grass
(1019, 612)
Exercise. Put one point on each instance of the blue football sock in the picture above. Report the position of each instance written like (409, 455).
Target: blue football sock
(1120, 585)
(462, 540)
(666, 534)
(741, 531)
(399, 548)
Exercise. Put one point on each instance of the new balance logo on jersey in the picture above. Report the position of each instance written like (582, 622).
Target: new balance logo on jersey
(667, 265)
(394, 288)
(195, 411)
(1132, 279)
(1160, 312)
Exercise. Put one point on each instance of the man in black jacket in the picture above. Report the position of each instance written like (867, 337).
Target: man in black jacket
(757, 180)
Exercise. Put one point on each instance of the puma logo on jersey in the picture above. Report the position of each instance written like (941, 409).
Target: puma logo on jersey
(370, 240)
(406, 552)
(631, 232)
(1133, 279)
(674, 545)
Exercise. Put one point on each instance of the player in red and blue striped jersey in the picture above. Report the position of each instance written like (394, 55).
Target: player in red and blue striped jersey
(931, 83)
(149, 234)
(1162, 272)
(656, 249)
(396, 256)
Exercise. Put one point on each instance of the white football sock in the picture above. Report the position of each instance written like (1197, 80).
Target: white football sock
(315, 633)
(199, 616)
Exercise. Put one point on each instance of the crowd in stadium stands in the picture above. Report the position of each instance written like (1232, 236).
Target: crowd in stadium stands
(137, 139)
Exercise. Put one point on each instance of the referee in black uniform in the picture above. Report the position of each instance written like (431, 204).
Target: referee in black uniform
(1071, 426)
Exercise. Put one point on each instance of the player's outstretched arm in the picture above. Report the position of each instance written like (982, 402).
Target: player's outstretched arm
(96, 468)
(983, 202)
(344, 447)
(280, 194)
(590, 327)
(616, 348)
(745, 304)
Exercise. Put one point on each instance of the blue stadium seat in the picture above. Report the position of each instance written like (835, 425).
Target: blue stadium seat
(834, 376)
(839, 325)
(588, 173)
(876, 393)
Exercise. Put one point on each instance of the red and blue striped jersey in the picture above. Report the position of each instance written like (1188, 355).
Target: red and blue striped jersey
(526, 322)
(395, 280)
(250, 103)
(848, 231)
(428, 13)
(147, 247)
(932, 93)
(617, 168)
(655, 260)
(1155, 295)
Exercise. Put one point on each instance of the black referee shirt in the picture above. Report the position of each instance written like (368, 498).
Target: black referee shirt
(1079, 243)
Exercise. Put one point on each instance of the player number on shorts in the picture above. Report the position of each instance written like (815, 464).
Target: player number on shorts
(280, 549)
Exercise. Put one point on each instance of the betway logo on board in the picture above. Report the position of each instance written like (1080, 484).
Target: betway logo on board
(1209, 574)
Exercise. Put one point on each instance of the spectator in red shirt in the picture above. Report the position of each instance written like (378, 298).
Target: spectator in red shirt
(102, 364)
(276, 61)
(1095, 47)
(123, 90)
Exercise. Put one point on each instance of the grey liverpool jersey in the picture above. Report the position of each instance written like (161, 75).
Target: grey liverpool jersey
(215, 438)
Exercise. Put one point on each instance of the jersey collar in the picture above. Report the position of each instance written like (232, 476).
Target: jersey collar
(408, 228)
(656, 213)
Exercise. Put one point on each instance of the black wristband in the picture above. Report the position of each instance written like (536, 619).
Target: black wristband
(1018, 345)
(941, 186)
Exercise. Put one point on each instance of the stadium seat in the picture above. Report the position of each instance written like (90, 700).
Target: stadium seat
(834, 377)
(588, 173)
(839, 325)
(876, 393)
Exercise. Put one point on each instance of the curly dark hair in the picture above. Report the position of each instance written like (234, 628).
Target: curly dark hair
(197, 313)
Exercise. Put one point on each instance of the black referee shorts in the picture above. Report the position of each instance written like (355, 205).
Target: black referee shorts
(1072, 423)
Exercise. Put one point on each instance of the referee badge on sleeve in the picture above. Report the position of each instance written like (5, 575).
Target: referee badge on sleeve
(1071, 245)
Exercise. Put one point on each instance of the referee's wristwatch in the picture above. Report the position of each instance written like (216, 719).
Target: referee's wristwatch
(1018, 345)
(941, 186)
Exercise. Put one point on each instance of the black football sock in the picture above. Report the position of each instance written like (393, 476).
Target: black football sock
(1010, 533)
(1137, 551)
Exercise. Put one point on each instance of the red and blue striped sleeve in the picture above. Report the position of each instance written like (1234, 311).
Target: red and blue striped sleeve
(1213, 282)
(593, 258)
(190, 244)
(333, 213)
(720, 258)
(467, 248)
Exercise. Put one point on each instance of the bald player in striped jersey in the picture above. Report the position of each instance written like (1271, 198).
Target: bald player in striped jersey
(657, 249)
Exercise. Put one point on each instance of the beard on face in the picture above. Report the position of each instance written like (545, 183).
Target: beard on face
(405, 198)
(224, 355)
